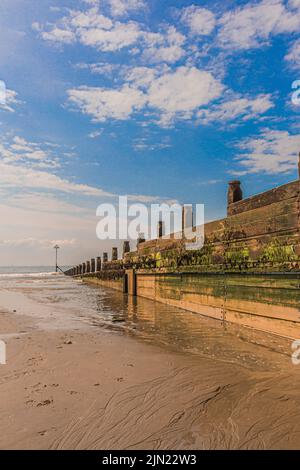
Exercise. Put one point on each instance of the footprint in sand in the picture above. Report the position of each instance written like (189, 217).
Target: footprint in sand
(44, 403)
(29, 402)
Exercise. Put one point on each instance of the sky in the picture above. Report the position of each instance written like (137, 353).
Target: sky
(158, 100)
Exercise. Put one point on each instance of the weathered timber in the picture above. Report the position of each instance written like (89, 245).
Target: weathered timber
(247, 272)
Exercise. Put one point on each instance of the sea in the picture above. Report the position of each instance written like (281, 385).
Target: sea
(29, 270)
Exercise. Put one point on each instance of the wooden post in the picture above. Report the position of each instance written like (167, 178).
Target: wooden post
(131, 282)
(160, 229)
(88, 267)
(114, 256)
(126, 248)
(93, 265)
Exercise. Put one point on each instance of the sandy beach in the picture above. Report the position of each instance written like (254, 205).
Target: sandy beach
(70, 384)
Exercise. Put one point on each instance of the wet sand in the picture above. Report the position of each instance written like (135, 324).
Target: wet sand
(72, 382)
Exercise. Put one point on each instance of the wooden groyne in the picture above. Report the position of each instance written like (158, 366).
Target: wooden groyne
(248, 271)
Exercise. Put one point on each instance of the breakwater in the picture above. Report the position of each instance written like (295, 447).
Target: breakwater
(247, 272)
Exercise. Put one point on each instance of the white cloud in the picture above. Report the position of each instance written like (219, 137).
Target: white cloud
(38, 243)
(59, 35)
(168, 54)
(12, 176)
(23, 164)
(272, 152)
(46, 202)
(166, 46)
(144, 144)
(33, 154)
(89, 19)
(99, 68)
(293, 56)
(122, 7)
(142, 77)
(118, 37)
(19, 177)
(103, 104)
(91, 28)
(200, 21)
(95, 134)
(182, 92)
(249, 26)
(174, 94)
(242, 108)
(21, 168)
(8, 99)
(252, 25)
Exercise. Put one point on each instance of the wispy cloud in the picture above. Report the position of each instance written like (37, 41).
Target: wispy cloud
(172, 95)
(18, 176)
(108, 34)
(252, 25)
(200, 21)
(123, 7)
(145, 144)
(95, 134)
(30, 165)
(241, 108)
(293, 56)
(29, 153)
(102, 104)
(166, 46)
(272, 152)
(38, 243)
(91, 28)
(241, 28)
(9, 100)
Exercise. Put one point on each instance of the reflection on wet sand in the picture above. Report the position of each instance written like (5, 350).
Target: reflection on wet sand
(268, 303)
(162, 324)
(184, 331)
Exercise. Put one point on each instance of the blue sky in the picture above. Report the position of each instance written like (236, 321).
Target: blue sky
(157, 100)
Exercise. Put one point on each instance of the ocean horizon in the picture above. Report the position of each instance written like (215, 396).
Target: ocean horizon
(12, 270)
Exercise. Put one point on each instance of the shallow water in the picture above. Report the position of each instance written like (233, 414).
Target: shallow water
(149, 321)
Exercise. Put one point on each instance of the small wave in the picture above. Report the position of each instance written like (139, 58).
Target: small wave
(35, 275)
